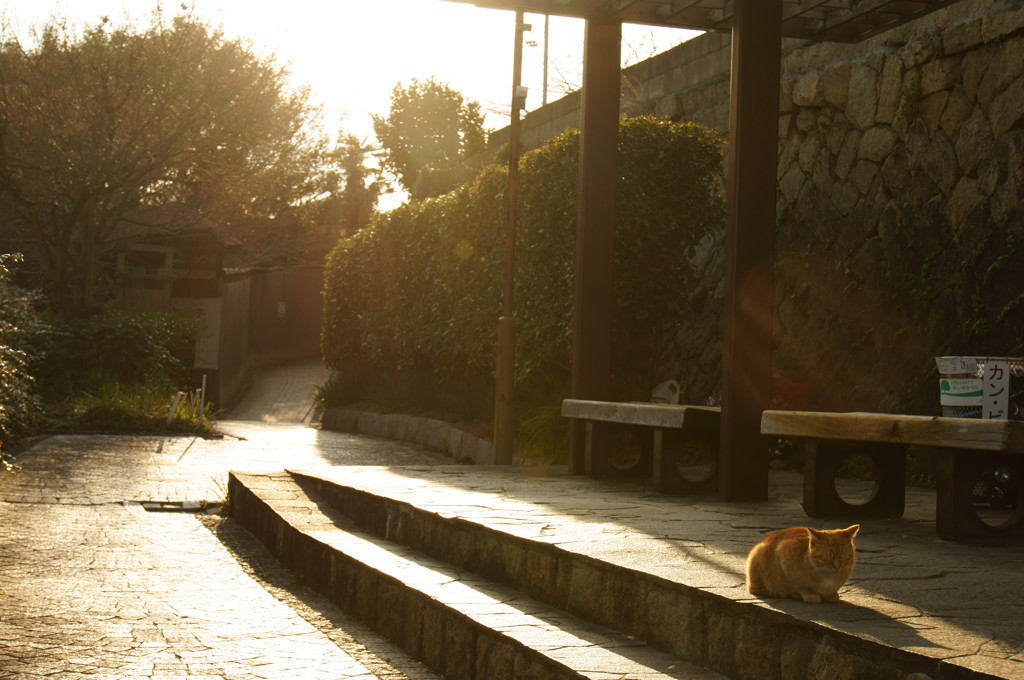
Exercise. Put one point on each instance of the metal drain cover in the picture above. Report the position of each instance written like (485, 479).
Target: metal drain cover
(196, 507)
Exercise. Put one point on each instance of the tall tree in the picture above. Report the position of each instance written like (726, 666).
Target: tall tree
(362, 186)
(350, 194)
(97, 125)
(428, 135)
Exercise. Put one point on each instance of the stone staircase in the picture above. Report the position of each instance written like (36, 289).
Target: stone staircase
(490, 599)
(441, 610)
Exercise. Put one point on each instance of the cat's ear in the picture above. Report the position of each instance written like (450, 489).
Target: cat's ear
(852, 531)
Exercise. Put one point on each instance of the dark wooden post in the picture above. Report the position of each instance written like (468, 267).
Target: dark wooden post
(750, 247)
(598, 179)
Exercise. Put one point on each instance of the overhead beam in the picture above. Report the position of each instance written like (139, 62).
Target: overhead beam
(750, 248)
(857, 21)
(639, 11)
(823, 20)
(595, 222)
(795, 9)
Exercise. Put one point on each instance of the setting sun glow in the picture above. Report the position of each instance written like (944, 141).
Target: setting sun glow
(352, 53)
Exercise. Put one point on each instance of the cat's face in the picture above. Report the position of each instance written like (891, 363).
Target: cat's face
(833, 551)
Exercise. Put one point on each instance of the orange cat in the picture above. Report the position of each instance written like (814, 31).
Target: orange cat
(802, 563)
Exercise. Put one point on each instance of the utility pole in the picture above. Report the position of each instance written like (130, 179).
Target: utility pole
(547, 26)
(504, 423)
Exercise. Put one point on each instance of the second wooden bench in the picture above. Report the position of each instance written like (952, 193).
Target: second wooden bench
(682, 440)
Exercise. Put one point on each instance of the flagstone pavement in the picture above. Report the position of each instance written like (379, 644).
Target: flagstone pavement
(96, 585)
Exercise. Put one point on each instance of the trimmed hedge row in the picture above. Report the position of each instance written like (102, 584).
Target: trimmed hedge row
(412, 302)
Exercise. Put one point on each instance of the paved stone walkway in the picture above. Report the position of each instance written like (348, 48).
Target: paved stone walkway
(92, 585)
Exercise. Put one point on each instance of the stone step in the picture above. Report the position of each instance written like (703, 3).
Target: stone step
(454, 620)
(668, 571)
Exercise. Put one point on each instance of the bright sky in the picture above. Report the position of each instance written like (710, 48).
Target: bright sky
(353, 52)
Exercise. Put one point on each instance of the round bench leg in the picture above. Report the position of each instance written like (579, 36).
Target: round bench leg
(687, 463)
(964, 485)
(822, 461)
(617, 452)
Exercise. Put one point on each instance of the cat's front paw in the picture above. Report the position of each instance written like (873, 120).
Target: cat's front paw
(810, 597)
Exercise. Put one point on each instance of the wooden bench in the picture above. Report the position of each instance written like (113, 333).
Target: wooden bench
(668, 432)
(967, 451)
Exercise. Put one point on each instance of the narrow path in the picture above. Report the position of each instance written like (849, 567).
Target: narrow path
(92, 585)
(283, 394)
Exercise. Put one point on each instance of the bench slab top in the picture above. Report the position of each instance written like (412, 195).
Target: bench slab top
(678, 416)
(967, 433)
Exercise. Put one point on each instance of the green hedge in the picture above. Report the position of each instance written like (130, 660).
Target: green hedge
(412, 302)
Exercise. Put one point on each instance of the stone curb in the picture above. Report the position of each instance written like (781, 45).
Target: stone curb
(454, 621)
(429, 432)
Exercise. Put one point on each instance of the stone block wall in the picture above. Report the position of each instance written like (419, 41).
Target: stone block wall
(900, 182)
(901, 177)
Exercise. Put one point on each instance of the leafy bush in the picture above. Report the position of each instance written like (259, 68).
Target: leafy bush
(114, 347)
(412, 302)
(111, 371)
(19, 326)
